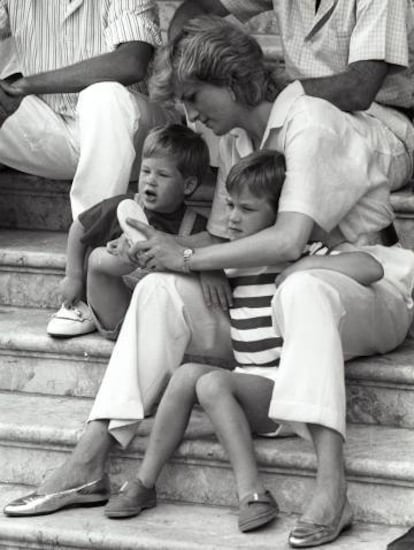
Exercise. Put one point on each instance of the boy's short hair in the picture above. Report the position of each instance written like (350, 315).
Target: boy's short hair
(262, 173)
(186, 146)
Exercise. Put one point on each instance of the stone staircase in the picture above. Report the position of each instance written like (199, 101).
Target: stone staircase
(47, 387)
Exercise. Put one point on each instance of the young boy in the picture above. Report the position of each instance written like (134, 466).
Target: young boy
(236, 402)
(175, 160)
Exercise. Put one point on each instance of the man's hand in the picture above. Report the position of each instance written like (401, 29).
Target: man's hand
(71, 290)
(9, 103)
(216, 289)
(160, 252)
(17, 88)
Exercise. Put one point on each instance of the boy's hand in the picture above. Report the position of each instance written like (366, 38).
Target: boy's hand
(71, 290)
(299, 265)
(119, 246)
(8, 103)
(216, 289)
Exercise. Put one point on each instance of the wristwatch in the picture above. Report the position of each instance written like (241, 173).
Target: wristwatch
(187, 254)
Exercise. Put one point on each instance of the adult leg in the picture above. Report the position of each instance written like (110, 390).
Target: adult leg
(325, 316)
(86, 463)
(112, 125)
(107, 294)
(38, 141)
(167, 318)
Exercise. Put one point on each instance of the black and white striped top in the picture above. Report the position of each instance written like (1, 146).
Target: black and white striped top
(51, 34)
(255, 339)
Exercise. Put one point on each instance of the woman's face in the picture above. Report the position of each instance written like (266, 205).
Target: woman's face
(214, 106)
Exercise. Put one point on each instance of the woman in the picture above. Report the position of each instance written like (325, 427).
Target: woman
(331, 193)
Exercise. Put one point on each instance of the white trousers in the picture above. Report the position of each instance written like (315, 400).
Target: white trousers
(97, 148)
(323, 316)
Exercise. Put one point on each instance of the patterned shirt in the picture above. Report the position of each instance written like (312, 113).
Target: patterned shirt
(323, 42)
(51, 34)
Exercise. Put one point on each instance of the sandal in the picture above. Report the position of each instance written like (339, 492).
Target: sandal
(256, 510)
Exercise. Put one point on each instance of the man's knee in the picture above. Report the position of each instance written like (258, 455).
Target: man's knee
(106, 95)
(210, 386)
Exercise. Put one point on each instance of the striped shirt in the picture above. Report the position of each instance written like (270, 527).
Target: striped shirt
(51, 34)
(255, 338)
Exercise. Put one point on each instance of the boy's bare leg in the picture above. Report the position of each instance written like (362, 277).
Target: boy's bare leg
(237, 404)
(86, 463)
(107, 294)
(171, 420)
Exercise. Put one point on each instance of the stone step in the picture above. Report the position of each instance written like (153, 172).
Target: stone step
(37, 432)
(167, 527)
(31, 265)
(380, 389)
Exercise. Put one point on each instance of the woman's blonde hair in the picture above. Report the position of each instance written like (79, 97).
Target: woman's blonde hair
(211, 50)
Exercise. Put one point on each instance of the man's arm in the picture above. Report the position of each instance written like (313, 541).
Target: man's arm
(352, 90)
(127, 64)
(194, 8)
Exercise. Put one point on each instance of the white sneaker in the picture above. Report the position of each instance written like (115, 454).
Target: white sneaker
(72, 321)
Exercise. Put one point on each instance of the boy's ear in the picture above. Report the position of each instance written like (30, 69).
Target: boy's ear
(190, 185)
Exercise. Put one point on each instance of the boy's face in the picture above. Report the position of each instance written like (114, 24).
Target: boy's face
(248, 214)
(161, 185)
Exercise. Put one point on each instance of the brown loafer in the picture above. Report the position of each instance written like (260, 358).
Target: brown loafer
(257, 510)
(132, 498)
(95, 493)
(307, 534)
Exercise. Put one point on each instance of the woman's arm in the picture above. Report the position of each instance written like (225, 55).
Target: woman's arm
(360, 266)
(282, 242)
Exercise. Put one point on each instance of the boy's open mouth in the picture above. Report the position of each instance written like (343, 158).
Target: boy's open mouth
(149, 194)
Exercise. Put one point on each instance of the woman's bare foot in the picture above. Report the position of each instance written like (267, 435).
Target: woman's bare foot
(85, 464)
(326, 502)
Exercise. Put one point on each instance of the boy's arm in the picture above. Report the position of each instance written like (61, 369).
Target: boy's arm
(360, 266)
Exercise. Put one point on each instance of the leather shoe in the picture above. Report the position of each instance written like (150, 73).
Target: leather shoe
(132, 498)
(94, 493)
(307, 534)
(256, 510)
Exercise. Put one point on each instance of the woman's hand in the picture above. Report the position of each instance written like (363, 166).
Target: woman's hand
(160, 252)
(71, 289)
(216, 289)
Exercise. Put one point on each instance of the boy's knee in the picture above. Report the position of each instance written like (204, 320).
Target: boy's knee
(209, 386)
(95, 259)
(185, 378)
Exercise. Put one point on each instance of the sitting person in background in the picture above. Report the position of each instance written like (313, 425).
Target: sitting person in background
(356, 54)
(80, 111)
(237, 402)
(175, 161)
